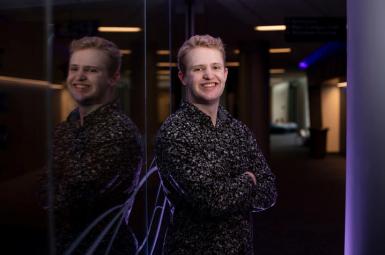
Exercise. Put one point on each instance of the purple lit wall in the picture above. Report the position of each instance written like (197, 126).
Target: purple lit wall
(365, 175)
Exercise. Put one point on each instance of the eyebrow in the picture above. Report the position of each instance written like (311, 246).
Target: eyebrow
(194, 66)
(215, 63)
(75, 65)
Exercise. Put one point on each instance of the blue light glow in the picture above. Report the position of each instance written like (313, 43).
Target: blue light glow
(324, 51)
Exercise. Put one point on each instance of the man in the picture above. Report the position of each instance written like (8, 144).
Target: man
(210, 164)
(97, 151)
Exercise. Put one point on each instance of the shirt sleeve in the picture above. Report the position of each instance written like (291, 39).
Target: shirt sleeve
(264, 192)
(193, 183)
(120, 160)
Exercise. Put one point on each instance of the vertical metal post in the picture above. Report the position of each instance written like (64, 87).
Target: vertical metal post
(190, 19)
(48, 105)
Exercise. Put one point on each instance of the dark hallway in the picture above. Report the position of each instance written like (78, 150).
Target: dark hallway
(309, 215)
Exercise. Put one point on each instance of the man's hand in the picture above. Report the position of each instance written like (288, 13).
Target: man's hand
(252, 177)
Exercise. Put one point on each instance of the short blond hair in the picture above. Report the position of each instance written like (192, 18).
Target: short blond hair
(99, 43)
(196, 41)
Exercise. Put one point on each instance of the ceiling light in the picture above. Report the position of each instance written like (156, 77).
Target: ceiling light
(119, 29)
(163, 77)
(279, 50)
(125, 52)
(167, 72)
(232, 64)
(163, 52)
(165, 64)
(277, 71)
(271, 28)
(342, 84)
(303, 65)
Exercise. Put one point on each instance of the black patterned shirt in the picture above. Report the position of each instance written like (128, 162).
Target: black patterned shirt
(95, 166)
(203, 168)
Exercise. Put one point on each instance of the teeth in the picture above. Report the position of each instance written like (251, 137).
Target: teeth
(212, 84)
(80, 86)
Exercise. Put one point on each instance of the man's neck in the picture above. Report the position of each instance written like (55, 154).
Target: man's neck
(85, 110)
(210, 110)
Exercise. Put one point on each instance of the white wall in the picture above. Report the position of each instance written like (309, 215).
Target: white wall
(330, 97)
(279, 102)
(303, 103)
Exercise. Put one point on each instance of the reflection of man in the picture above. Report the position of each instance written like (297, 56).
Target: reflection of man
(97, 150)
(209, 161)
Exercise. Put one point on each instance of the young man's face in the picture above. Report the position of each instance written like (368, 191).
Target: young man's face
(88, 80)
(205, 75)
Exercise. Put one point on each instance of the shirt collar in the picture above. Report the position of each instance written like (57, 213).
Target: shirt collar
(201, 117)
(74, 116)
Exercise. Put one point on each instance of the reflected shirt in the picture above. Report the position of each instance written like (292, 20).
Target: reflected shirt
(95, 166)
(203, 169)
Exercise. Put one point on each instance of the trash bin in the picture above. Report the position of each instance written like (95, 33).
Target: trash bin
(318, 142)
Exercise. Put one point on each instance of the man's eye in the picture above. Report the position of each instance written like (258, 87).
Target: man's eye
(217, 67)
(197, 69)
(73, 69)
(93, 70)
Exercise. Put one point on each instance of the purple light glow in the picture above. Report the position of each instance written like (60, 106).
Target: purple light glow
(303, 65)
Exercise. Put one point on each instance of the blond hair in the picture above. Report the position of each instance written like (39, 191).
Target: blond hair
(108, 47)
(199, 41)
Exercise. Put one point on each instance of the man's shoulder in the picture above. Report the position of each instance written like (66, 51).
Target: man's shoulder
(120, 118)
(174, 126)
(237, 127)
(175, 120)
(62, 126)
(234, 122)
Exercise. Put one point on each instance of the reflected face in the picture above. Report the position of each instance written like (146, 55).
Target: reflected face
(88, 79)
(205, 75)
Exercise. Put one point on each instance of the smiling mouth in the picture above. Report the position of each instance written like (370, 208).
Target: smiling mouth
(80, 86)
(209, 84)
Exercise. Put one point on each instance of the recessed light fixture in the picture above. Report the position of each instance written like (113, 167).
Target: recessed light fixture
(270, 28)
(125, 52)
(119, 29)
(163, 77)
(163, 72)
(232, 64)
(277, 71)
(279, 50)
(165, 64)
(342, 84)
(163, 52)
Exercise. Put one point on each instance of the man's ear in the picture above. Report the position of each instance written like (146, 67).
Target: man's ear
(181, 76)
(114, 78)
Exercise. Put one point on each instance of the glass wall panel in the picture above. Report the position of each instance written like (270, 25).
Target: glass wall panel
(23, 125)
(158, 73)
(101, 151)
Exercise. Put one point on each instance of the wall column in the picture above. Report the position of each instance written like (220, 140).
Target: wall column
(365, 175)
(253, 91)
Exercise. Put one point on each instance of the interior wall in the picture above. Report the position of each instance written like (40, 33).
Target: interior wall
(279, 102)
(303, 103)
(330, 96)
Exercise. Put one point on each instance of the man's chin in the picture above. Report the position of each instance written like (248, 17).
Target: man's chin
(206, 101)
(84, 101)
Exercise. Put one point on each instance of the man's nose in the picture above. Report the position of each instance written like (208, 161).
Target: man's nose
(208, 74)
(81, 75)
